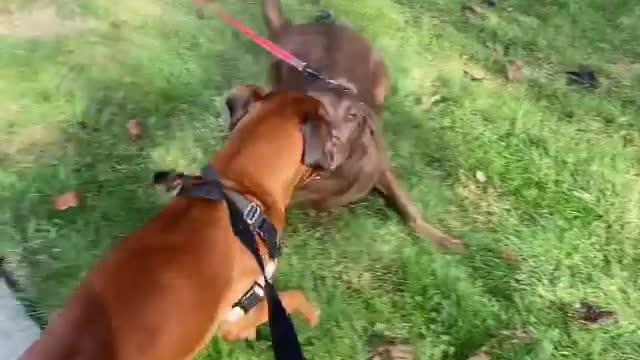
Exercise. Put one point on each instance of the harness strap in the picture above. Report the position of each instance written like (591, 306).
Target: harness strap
(251, 298)
(247, 220)
(211, 189)
(283, 339)
(248, 301)
(259, 223)
(252, 214)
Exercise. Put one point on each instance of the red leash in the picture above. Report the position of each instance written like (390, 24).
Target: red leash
(274, 49)
(265, 43)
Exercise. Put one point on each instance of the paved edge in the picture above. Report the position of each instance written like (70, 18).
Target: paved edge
(17, 330)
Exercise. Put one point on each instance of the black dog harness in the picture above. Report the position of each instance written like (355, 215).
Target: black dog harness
(247, 221)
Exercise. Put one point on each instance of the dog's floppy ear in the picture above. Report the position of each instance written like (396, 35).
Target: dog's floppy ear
(239, 101)
(370, 119)
(320, 151)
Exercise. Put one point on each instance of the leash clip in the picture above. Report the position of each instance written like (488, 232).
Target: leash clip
(305, 68)
(252, 214)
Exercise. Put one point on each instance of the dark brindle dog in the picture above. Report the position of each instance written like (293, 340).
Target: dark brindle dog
(346, 56)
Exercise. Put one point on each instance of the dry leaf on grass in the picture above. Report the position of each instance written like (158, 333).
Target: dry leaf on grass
(589, 314)
(66, 200)
(134, 129)
(515, 71)
(509, 256)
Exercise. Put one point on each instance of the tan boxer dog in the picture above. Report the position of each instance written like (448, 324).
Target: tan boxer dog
(164, 290)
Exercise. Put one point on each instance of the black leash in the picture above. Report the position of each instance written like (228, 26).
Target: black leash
(246, 224)
(283, 335)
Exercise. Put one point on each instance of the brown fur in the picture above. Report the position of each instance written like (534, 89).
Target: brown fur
(343, 55)
(164, 290)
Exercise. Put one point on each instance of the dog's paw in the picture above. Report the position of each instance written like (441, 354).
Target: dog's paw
(234, 334)
(448, 243)
(437, 237)
(314, 318)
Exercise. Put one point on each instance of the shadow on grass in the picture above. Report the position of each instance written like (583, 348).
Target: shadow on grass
(495, 280)
(53, 250)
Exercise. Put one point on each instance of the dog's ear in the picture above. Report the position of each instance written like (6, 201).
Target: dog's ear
(315, 136)
(320, 149)
(370, 119)
(239, 101)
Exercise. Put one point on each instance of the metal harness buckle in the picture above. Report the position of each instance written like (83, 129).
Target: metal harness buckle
(252, 214)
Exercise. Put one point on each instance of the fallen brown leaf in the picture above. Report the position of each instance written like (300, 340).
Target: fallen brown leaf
(66, 200)
(134, 129)
(509, 256)
(589, 314)
(515, 71)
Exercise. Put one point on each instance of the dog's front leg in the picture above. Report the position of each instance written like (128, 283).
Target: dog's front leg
(389, 185)
(294, 301)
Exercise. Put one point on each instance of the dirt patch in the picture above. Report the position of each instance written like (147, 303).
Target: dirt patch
(19, 145)
(625, 70)
(39, 21)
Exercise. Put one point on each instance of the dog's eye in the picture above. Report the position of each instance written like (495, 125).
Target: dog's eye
(352, 115)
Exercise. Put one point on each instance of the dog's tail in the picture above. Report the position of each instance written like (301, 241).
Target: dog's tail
(274, 17)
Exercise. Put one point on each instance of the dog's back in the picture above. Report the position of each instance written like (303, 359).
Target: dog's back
(335, 50)
(173, 257)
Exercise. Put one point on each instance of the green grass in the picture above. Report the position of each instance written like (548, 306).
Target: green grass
(562, 167)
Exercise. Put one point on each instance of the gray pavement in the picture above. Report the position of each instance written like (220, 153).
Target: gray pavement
(17, 330)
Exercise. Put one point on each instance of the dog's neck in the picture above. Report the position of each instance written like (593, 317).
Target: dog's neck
(264, 166)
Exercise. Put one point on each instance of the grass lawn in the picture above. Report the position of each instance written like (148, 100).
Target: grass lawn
(540, 179)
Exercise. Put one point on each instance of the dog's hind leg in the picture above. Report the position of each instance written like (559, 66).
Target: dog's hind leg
(294, 301)
(389, 185)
